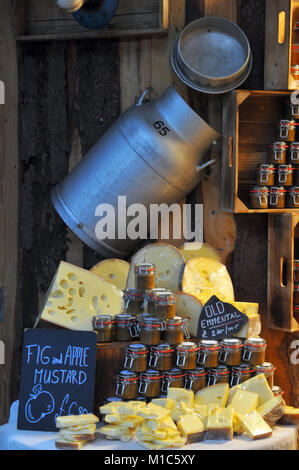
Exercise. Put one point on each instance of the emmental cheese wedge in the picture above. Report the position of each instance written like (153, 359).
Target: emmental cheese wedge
(169, 263)
(189, 306)
(76, 295)
(259, 385)
(220, 424)
(244, 401)
(272, 410)
(254, 425)
(181, 395)
(113, 270)
(217, 394)
(253, 326)
(191, 427)
(205, 277)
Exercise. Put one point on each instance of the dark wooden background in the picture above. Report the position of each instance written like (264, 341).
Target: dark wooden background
(70, 92)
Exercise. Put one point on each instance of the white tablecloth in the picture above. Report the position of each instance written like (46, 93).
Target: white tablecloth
(283, 438)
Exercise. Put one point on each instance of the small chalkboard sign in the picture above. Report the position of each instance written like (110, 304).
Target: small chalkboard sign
(219, 320)
(57, 376)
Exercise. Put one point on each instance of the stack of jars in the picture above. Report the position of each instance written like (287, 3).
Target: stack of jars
(278, 179)
(296, 289)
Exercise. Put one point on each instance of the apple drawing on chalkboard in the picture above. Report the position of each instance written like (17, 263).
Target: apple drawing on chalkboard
(40, 404)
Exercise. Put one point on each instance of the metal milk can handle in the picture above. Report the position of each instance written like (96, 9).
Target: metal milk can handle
(143, 386)
(153, 359)
(129, 360)
(181, 358)
(120, 385)
(140, 102)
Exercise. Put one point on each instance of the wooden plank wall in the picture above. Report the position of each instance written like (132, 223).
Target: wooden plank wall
(69, 94)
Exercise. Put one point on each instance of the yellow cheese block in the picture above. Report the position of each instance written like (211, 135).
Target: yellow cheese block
(254, 425)
(195, 249)
(191, 427)
(76, 420)
(161, 423)
(205, 277)
(259, 385)
(168, 261)
(291, 416)
(220, 424)
(74, 445)
(165, 402)
(113, 270)
(181, 394)
(114, 432)
(217, 394)
(152, 411)
(253, 326)
(124, 420)
(244, 401)
(79, 429)
(272, 410)
(76, 295)
(202, 412)
(189, 306)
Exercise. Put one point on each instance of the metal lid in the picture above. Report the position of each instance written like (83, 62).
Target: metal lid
(276, 390)
(161, 347)
(165, 296)
(112, 399)
(266, 166)
(264, 366)
(127, 374)
(198, 371)
(150, 320)
(259, 189)
(144, 268)
(243, 368)
(208, 343)
(137, 347)
(255, 341)
(174, 321)
(124, 317)
(175, 372)
(277, 189)
(152, 374)
(188, 345)
(279, 144)
(156, 290)
(221, 370)
(133, 292)
(231, 342)
(102, 320)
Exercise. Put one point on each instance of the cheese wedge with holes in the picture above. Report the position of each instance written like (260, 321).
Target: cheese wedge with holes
(165, 402)
(205, 277)
(220, 424)
(76, 295)
(254, 425)
(169, 263)
(113, 270)
(195, 249)
(215, 394)
(191, 427)
(272, 410)
(189, 306)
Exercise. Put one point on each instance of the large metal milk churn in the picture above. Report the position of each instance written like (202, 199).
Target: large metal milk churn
(152, 154)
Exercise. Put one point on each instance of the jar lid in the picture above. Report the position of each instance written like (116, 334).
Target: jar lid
(137, 348)
(209, 344)
(175, 321)
(127, 375)
(231, 343)
(283, 167)
(255, 341)
(165, 296)
(150, 321)
(293, 190)
(153, 374)
(162, 347)
(295, 144)
(259, 189)
(99, 320)
(220, 370)
(279, 144)
(112, 399)
(133, 292)
(276, 390)
(123, 317)
(156, 290)
(197, 372)
(144, 268)
(277, 189)
(188, 346)
(286, 122)
(266, 167)
(265, 366)
(243, 368)
(175, 373)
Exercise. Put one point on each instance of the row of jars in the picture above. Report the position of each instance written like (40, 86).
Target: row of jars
(188, 355)
(275, 197)
(281, 175)
(158, 302)
(151, 383)
(148, 329)
(281, 152)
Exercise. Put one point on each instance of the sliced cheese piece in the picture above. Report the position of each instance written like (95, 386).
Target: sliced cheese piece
(74, 420)
(76, 430)
(113, 270)
(191, 427)
(161, 423)
(291, 416)
(214, 394)
(253, 326)
(202, 412)
(205, 277)
(113, 431)
(168, 261)
(189, 306)
(76, 295)
(181, 394)
(220, 424)
(124, 420)
(64, 435)
(195, 249)
(258, 384)
(244, 401)
(272, 410)
(152, 411)
(175, 442)
(130, 408)
(165, 402)
(74, 445)
(254, 425)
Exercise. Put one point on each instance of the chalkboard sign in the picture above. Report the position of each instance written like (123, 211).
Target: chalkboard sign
(57, 376)
(219, 320)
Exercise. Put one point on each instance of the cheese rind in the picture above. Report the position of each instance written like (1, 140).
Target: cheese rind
(217, 394)
(76, 295)
(191, 427)
(220, 424)
(291, 416)
(113, 270)
(272, 410)
(65, 444)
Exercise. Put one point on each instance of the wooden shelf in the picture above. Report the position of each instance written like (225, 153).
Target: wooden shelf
(42, 20)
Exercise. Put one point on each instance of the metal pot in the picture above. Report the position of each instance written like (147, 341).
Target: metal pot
(151, 155)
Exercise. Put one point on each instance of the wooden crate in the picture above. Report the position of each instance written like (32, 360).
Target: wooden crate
(283, 232)
(250, 125)
(42, 20)
(281, 34)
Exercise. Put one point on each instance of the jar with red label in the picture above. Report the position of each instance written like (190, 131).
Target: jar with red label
(296, 294)
(266, 174)
(125, 327)
(259, 197)
(292, 201)
(103, 325)
(176, 330)
(144, 276)
(174, 378)
(294, 152)
(133, 301)
(136, 357)
(150, 329)
(241, 373)
(208, 355)
(127, 383)
(196, 379)
(278, 153)
(150, 383)
(277, 197)
(284, 175)
(161, 357)
(151, 308)
(219, 375)
(287, 130)
(164, 305)
(254, 350)
(268, 370)
(186, 355)
(231, 351)
(296, 271)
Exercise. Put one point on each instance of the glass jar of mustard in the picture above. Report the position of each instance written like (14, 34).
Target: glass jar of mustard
(231, 351)
(208, 355)
(144, 276)
(268, 370)
(266, 174)
(136, 357)
(161, 357)
(287, 130)
(127, 383)
(150, 383)
(150, 329)
(175, 330)
(284, 175)
(196, 379)
(277, 197)
(296, 294)
(151, 307)
(219, 375)
(292, 200)
(254, 350)
(186, 355)
(103, 325)
(241, 373)
(125, 327)
(133, 301)
(164, 305)
(296, 271)
(174, 378)
(278, 153)
(259, 197)
(294, 152)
